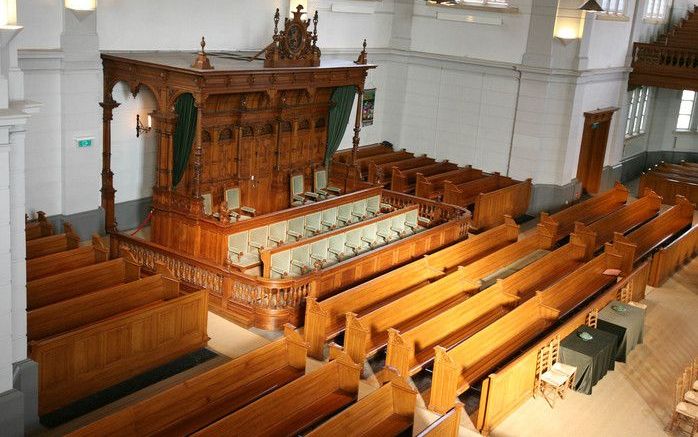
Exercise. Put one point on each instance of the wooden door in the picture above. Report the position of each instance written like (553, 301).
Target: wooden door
(593, 151)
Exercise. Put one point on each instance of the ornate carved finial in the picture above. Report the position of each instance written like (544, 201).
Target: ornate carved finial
(295, 45)
(202, 62)
(277, 17)
(363, 56)
(315, 21)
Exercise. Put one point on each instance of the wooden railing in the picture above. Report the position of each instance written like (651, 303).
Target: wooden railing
(655, 64)
(668, 259)
(434, 211)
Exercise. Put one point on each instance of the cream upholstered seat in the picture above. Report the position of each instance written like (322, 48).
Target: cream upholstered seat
(320, 184)
(297, 189)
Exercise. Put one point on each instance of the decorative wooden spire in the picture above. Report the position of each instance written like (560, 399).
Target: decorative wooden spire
(363, 56)
(202, 62)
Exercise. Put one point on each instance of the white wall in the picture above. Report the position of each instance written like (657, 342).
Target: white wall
(133, 159)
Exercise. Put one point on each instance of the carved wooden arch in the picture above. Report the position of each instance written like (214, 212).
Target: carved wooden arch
(133, 86)
(173, 95)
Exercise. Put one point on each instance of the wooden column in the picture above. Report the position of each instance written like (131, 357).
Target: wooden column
(164, 124)
(108, 191)
(198, 151)
(357, 125)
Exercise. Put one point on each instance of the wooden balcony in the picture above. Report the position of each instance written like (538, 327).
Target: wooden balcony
(663, 66)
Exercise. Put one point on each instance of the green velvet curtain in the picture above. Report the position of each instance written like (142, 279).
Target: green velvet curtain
(342, 101)
(183, 135)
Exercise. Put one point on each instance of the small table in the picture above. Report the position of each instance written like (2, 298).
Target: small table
(592, 358)
(626, 321)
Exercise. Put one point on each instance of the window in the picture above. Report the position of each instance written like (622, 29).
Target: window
(656, 9)
(613, 7)
(494, 3)
(687, 111)
(637, 112)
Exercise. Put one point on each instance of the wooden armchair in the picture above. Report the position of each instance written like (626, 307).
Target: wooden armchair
(320, 184)
(297, 189)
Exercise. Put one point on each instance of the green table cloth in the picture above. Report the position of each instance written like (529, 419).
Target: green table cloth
(592, 358)
(626, 321)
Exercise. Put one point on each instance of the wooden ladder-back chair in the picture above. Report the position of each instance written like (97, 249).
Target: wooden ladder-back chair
(556, 365)
(625, 295)
(694, 374)
(592, 319)
(689, 394)
(547, 377)
(684, 412)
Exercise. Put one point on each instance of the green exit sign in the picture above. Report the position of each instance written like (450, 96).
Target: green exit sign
(84, 142)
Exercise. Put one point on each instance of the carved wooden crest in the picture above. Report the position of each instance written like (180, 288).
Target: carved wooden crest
(295, 46)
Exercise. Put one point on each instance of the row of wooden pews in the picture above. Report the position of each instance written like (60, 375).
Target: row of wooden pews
(488, 196)
(669, 180)
(471, 308)
(94, 322)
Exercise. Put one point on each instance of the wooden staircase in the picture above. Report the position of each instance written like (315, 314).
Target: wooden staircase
(672, 60)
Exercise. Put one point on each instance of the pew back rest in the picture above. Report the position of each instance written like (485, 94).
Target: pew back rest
(340, 375)
(589, 210)
(194, 396)
(68, 260)
(365, 417)
(479, 353)
(73, 313)
(73, 283)
(52, 244)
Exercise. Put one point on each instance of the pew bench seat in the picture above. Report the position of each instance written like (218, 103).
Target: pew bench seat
(196, 418)
(512, 268)
(323, 408)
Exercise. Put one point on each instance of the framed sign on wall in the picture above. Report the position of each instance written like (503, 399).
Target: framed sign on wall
(368, 106)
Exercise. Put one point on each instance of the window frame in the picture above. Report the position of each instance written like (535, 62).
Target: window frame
(656, 10)
(636, 121)
(617, 11)
(693, 116)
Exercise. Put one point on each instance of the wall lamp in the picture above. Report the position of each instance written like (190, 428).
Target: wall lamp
(140, 129)
(80, 8)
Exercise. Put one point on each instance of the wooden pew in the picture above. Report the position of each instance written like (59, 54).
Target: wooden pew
(37, 228)
(678, 168)
(62, 316)
(365, 335)
(388, 411)
(73, 283)
(668, 187)
(623, 220)
(68, 260)
(199, 401)
(670, 258)
(456, 369)
(296, 406)
(324, 318)
(464, 194)
(344, 155)
(377, 173)
(511, 385)
(404, 181)
(447, 425)
(383, 158)
(432, 187)
(98, 355)
(570, 291)
(658, 231)
(53, 244)
(409, 351)
(585, 212)
(490, 207)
